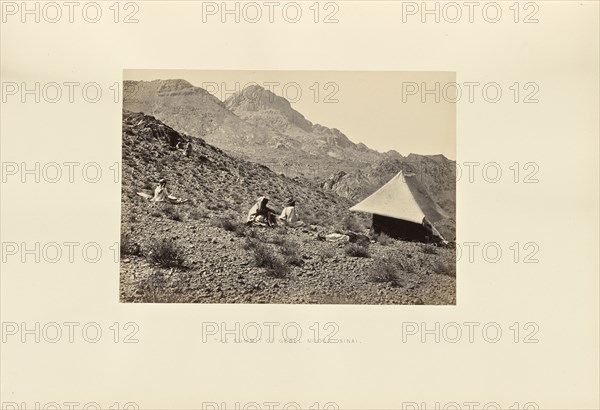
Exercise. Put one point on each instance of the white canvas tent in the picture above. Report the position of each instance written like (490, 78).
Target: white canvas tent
(403, 198)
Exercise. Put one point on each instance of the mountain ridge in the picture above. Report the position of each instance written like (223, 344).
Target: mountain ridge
(254, 123)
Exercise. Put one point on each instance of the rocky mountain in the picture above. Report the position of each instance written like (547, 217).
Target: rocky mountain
(254, 124)
(209, 176)
(260, 126)
(263, 108)
(201, 251)
(188, 109)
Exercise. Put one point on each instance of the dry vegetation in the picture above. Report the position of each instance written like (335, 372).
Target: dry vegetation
(201, 251)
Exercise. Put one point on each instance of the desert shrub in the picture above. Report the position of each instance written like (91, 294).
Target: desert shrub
(158, 288)
(226, 222)
(128, 247)
(251, 242)
(351, 224)
(198, 213)
(328, 253)
(359, 251)
(362, 240)
(264, 257)
(429, 249)
(278, 239)
(251, 233)
(166, 253)
(172, 213)
(310, 219)
(151, 286)
(384, 239)
(291, 254)
(386, 271)
(328, 221)
(280, 230)
(242, 230)
(447, 268)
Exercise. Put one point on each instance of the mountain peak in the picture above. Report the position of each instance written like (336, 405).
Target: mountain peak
(255, 98)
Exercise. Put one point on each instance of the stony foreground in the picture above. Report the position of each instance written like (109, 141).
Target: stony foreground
(218, 265)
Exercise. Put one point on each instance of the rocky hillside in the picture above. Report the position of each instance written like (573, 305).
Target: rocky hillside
(210, 177)
(200, 250)
(189, 109)
(264, 109)
(255, 124)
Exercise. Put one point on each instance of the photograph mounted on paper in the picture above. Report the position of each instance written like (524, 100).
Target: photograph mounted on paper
(288, 187)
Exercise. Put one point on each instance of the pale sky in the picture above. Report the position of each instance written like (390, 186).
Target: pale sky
(368, 106)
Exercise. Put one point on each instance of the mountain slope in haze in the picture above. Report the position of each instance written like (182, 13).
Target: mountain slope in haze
(263, 108)
(218, 263)
(188, 109)
(254, 123)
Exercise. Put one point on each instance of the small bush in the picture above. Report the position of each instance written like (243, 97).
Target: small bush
(445, 268)
(242, 230)
(386, 271)
(384, 239)
(166, 253)
(278, 240)
(128, 247)
(351, 224)
(291, 254)
(228, 223)
(251, 242)
(274, 264)
(362, 240)
(172, 213)
(328, 253)
(429, 249)
(198, 213)
(280, 230)
(353, 249)
(309, 219)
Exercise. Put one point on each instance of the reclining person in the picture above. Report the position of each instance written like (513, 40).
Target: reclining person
(260, 214)
(288, 215)
(162, 195)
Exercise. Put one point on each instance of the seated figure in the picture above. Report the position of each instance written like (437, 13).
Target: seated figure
(260, 214)
(288, 215)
